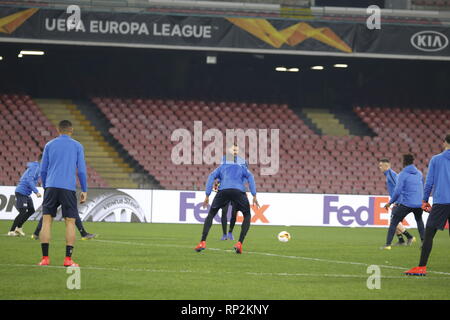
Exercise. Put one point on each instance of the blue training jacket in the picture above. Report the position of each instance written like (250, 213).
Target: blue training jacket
(438, 179)
(391, 181)
(409, 188)
(62, 161)
(29, 179)
(231, 176)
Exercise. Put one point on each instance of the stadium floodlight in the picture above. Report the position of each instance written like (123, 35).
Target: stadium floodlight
(1, 58)
(317, 68)
(19, 55)
(341, 65)
(281, 69)
(211, 59)
(31, 52)
(293, 70)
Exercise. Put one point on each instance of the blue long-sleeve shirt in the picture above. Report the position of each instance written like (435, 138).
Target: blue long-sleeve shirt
(409, 188)
(29, 179)
(391, 181)
(231, 176)
(62, 161)
(438, 179)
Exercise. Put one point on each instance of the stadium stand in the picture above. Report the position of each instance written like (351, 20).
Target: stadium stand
(326, 121)
(431, 4)
(98, 153)
(24, 131)
(144, 128)
(402, 130)
(308, 162)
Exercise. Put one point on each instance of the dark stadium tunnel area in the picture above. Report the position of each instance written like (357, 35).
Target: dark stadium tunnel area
(83, 71)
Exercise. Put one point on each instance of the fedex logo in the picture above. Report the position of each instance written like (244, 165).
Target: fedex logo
(363, 215)
(188, 206)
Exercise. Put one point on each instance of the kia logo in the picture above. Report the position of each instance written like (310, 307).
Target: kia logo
(429, 41)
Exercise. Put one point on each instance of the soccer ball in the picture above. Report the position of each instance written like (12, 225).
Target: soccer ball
(284, 236)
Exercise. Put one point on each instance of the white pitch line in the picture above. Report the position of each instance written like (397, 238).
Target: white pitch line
(259, 274)
(263, 254)
(142, 244)
(272, 255)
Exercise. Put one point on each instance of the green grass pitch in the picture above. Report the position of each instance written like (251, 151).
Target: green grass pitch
(157, 261)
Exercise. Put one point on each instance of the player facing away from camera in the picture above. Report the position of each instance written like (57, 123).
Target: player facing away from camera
(391, 180)
(231, 189)
(231, 157)
(24, 203)
(62, 161)
(408, 193)
(438, 182)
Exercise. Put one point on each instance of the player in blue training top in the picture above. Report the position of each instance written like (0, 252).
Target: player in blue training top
(62, 161)
(25, 206)
(231, 189)
(438, 181)
(24, 203)
(408, 194)
(391, 182)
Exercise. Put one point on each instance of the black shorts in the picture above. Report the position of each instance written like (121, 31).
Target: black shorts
(24, 202)
(402, 211)
(238, 199)
(55, 197)
(439, 215)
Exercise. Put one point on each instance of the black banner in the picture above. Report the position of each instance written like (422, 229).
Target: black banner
(223, 33)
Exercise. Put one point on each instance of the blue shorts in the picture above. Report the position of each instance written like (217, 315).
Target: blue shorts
(24, 202)
(55, 197)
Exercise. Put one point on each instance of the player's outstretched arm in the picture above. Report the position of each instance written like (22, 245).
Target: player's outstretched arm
(31, 178)
(255, 202)
(429, 182)
(391, 181)
(209, 183)
(82, 174)
(398, 189)
(205, 202)
(44, 167)
(251, 182)
(83, 197)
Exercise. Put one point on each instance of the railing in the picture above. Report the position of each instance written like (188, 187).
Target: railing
(284, 9)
